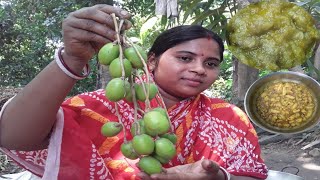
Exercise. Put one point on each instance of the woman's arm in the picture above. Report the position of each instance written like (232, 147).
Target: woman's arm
(29, 117)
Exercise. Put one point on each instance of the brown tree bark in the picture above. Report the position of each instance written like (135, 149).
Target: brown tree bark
(317, 62)
(243, 77)
(297, 69)
(103, 76)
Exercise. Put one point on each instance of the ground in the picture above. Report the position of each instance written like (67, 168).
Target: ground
(288, 155)
(282, 155)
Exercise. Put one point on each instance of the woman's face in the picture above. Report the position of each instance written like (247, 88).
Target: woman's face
(188, 68)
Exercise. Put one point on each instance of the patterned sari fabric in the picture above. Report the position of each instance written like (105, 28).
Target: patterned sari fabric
(205, 128)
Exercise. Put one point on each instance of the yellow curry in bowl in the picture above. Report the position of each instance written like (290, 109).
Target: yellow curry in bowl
(284, 102)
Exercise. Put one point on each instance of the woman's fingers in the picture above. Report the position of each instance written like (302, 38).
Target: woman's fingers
(103, 15)
(210, 166)
(117, 11)
(122, 14)
(97, 21)
(88, 30)
(203, 169)
(144, 176)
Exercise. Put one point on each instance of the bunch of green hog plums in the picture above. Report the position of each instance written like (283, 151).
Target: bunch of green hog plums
(152, 142)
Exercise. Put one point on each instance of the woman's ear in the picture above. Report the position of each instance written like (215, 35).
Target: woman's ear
(152, 62)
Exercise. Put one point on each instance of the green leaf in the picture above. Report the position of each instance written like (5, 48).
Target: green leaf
(164, 21)
(191, 8)
(208, 13)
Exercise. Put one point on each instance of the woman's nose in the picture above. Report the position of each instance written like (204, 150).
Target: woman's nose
(198, 68)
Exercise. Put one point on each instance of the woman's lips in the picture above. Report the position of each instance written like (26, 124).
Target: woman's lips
(192, 82)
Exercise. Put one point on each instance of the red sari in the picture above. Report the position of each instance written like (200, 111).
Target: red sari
(205, 128)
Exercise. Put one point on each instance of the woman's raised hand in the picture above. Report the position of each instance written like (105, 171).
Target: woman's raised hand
(86, 30)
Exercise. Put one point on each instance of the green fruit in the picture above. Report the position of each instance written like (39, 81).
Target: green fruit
(116, 89)
(165, 148)
(131, 54)
(153, 89)
(111, 129)
(150, 165)
(156, 123)
(161, 110)
(128, 95)
(134, 128)
(160, 159)
(171, 136)
(107, 53)
(115, 68)
(143, 144)
(128, 151)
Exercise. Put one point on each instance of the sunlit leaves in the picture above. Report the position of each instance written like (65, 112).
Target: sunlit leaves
(30, 31)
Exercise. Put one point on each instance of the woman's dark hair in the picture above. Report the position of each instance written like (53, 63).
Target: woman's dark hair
(181, 34)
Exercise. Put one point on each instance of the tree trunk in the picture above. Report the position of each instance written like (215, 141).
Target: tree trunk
(317, 62)
(103, 76)
(297, 69)
(243, 75)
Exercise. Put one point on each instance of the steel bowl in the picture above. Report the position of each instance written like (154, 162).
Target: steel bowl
(252, 93)
(279, 175)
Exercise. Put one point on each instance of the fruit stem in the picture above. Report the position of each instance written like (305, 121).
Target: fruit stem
(146, 93)
(142, 111)
(135, 105)
(148, 81)
(145, 67)
(134, 99)
(135, 124)
(119, 41)
(158, 101)
(164, 106)
(128, 162)
(141, 58)
(119, 119)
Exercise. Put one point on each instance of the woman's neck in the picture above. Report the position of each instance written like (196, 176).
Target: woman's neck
(169, 100)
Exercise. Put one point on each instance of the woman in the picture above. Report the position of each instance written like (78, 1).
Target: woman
(215, 139)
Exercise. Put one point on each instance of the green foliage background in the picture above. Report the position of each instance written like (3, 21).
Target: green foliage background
(30, 31)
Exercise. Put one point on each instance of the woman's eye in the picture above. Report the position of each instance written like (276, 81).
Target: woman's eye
(186, 59)
(212, 64)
